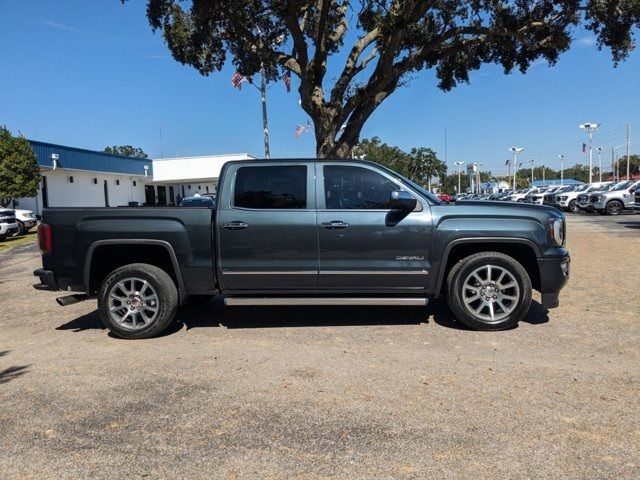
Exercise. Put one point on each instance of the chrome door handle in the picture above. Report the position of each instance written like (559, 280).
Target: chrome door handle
(334, 225)
(235, 225)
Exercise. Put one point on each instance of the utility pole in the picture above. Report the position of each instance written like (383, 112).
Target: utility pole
(590, 127)
(628, 150)
(561, 157)
(599, 150)
(613, 163)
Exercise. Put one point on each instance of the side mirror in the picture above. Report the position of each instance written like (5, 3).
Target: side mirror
(401, 200)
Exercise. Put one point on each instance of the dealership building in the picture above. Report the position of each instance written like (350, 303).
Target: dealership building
(75, 177)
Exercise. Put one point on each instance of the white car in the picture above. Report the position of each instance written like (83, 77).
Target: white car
(26, 221)
(520, 195)
(8, 223)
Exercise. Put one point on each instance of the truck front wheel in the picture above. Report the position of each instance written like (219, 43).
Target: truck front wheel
(137, 301)
(489, 291)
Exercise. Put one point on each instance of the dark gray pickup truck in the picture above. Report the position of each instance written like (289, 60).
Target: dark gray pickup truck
(306, 232)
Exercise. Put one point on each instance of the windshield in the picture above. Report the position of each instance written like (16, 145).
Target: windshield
(582, 188)
(621, 186)
(197, 202)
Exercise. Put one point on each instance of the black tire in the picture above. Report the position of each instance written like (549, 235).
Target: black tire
(514, 312)
(614, 207)
(166, 306)
(21, 230)
(573, 206)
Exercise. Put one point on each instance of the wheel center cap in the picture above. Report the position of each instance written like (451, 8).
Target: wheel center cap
(136, 302)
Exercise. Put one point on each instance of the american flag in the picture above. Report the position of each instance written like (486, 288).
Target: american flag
(300, 129)
(237, 80)
(286, 78)
(584, 148)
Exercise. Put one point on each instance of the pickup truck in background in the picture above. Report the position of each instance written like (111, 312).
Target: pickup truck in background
(615, 200)
(306, 232)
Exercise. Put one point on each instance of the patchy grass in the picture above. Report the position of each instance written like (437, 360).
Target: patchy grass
(8, 243)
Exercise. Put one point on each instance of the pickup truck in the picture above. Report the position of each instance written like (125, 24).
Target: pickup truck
(615, 200)
(306, 232)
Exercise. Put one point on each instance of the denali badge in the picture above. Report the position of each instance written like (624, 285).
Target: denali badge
(403, 257)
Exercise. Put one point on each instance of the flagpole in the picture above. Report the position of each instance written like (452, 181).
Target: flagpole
(265, 122)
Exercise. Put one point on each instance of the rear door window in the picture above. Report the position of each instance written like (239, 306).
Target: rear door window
(271, 187)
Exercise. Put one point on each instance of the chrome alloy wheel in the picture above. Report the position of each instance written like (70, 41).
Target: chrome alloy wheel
(490, 293)
(133, 303)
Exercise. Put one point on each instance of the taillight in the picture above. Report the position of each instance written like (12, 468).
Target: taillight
(44, 238)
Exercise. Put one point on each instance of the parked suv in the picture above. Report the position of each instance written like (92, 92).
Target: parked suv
(637, 204)
(615, 200)
(26, 220)
(8, 224)
(520, 195)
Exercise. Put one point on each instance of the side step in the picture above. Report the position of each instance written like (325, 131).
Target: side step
(265, 301)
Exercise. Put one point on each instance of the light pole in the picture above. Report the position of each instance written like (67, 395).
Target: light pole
(561, 157)
(478, 177)
(590, 127)
(615, 164)
(531, 162)
(599, 150)
(515, 151)
(459, 164)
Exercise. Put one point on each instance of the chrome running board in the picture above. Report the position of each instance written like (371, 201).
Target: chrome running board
(266, 301)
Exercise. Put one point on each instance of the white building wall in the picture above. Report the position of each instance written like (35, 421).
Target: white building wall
(184, 169)
(83, 192)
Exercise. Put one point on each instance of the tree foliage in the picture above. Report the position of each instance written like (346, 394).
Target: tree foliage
(420, 164)
(126, 150)
(374, 46)
(19, 171)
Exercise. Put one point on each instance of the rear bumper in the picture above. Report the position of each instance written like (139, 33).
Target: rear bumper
(554, 275)
(47, 280)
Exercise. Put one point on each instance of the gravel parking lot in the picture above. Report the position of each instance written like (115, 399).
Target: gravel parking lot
(331, 392)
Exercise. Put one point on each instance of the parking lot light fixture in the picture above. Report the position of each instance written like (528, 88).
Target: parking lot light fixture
(561, 157)
(599, 150)
(459, 164)
(590, 127)
(515, 151)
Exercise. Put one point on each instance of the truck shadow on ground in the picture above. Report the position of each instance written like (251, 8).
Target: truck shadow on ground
(215, 314)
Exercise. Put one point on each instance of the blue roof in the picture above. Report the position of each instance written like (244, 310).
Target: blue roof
(89, 160)
(557, 181)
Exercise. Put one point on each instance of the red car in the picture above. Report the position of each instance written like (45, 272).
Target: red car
(445, 197)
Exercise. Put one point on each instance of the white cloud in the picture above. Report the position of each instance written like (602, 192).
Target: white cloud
(586, 41)
(67, 28)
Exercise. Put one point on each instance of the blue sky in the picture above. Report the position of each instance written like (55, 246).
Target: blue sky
(91, 74)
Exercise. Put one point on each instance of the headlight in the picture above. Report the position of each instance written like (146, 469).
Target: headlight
(601, 198)
(557, 231)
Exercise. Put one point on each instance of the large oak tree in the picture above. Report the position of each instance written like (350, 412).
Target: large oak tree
(376, 45)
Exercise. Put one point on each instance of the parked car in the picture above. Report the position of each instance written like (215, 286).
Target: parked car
(202, 201)
(307, 232)
(8, 223)
(568, 201)
(615, 200)
(26, 220)
(537, 196)
(445, 197)
(583, 199)
(637, 203)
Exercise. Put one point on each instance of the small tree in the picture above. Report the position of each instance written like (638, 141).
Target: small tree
(126, 150)
(19, 171)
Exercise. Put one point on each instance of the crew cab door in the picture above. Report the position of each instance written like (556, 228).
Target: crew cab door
(364, 244)
(266, 227)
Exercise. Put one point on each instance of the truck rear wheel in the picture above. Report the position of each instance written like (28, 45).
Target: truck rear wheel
(489, 291)
(137, 301)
